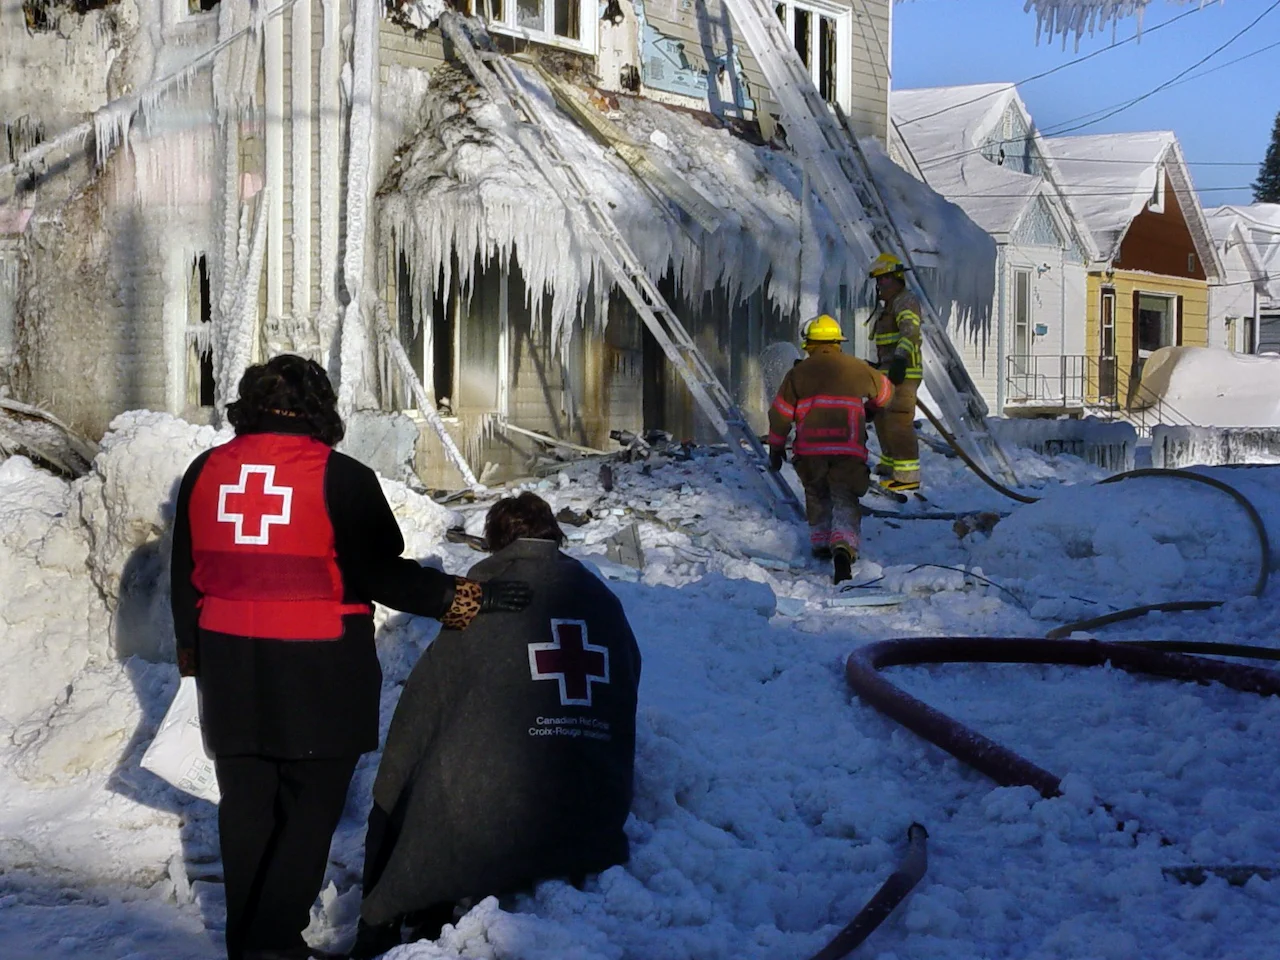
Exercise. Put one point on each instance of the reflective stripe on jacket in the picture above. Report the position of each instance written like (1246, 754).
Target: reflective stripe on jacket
(826, 396)
(262, 543)
(897, 328)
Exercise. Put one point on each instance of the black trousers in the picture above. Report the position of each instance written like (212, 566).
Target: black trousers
(275, 822)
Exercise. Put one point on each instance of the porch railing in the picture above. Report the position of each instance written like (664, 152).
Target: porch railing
(1076, 383)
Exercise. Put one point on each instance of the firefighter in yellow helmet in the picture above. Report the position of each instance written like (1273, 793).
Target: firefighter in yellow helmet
(895, 330)
(829, 396)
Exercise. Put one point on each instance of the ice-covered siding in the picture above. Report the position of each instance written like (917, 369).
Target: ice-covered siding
(55, 77)
(103, 321)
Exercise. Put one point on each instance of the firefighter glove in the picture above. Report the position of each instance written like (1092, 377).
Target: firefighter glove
(504, 596)
(777, 456)
(897, 370)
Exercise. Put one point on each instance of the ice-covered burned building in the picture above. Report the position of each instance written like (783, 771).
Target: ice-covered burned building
(324, 176)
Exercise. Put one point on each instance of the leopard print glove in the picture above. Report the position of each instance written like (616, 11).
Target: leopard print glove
(465, 606)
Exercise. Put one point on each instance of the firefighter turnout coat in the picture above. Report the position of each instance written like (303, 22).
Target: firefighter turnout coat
(896, 328)
(827, 396)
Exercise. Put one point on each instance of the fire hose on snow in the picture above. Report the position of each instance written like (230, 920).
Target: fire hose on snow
(1264, 544)
(863, 673)
(1167, 659)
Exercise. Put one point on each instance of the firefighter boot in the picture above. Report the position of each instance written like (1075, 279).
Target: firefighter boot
(841, 564)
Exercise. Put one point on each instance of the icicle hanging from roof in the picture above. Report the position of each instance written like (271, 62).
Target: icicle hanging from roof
(469, 187)
(1065, 18)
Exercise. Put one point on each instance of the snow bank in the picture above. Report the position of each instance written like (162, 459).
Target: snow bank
(52, 619)
(84, 587)
(1211, 387)
(1086, 550)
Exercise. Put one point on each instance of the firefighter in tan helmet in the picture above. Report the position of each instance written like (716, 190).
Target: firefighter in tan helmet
(829, 396)
(895, 330)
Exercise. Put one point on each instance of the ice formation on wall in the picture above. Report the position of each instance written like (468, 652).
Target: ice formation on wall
(355, 348)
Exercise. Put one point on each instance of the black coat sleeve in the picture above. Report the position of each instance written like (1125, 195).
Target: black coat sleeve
(368, 543)
(183, 597)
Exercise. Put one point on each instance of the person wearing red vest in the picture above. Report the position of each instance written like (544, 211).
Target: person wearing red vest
(281, 546)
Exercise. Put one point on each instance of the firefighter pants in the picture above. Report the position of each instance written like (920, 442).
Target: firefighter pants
(275, 821)
(832, 486)
(895, 429)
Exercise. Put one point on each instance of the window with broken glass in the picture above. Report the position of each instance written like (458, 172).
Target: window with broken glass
(566, 23)
(821, 34)
(199, 367)
(459, 348)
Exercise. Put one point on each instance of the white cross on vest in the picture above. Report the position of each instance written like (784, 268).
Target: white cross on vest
(254, 520)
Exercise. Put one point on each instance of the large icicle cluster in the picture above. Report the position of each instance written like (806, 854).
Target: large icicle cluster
(467, 187)
(1066, 18)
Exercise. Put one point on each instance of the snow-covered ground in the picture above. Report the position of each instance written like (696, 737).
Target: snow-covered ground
(770, 802)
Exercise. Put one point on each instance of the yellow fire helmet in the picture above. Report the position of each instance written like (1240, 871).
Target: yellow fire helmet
(822, 329)
(885, 265)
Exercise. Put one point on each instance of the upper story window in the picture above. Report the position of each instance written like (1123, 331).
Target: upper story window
(1011, 145)
(822, 35)
(1156, 203)
(565, 23)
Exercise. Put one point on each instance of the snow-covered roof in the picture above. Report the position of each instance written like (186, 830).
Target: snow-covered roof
(943, 130)
(1256, 229)
(468, 184)
(1112, 176)
(946, 149)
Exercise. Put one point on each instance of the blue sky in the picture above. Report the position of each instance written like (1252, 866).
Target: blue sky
(1224, 116)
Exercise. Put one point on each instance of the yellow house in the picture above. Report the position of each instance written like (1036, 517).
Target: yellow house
(1150, 289)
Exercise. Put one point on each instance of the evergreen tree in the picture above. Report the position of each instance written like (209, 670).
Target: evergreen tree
(1266, 189)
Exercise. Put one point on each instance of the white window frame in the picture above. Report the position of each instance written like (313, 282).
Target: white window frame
(1027, 322)
(843, 17)
(1107, 323)
(1170, 331)
(1156, 203)
(588, 12)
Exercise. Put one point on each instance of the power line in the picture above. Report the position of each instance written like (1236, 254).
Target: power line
(1150, 163)
(1178, 76)
(1062, 66)
(1178, 83)
(1090, 193)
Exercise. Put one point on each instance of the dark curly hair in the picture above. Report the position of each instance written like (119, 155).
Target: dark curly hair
(516, 518)
(294, 387)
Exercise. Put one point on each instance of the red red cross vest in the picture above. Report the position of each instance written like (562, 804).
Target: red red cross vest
(262, 541)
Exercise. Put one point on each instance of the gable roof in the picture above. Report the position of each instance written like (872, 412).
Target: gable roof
(943, 130)
(1111, 176)
(1256, 230)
